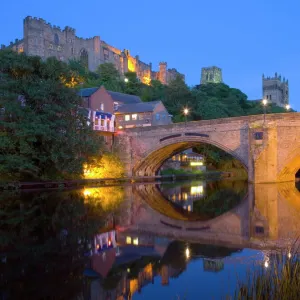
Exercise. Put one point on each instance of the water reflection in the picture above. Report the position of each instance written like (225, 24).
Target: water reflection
(107, 243)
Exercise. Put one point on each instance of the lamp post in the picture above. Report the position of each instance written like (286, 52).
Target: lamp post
(264, 103)
(287, 107)
(126, 79)
(185, 112)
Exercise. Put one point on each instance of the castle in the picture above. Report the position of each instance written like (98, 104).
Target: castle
(276, 90)
(211, 75)
(42, 39)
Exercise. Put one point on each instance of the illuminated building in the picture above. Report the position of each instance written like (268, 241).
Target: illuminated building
(42, 39)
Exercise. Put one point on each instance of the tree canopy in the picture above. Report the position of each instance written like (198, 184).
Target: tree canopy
(44, 132)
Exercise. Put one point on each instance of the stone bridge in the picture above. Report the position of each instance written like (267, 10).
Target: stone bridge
(269, 150)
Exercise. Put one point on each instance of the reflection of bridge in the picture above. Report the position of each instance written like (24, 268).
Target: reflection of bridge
(270, 152)
(274, 216)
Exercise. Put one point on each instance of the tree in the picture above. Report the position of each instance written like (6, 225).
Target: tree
(132, 86)
(44, 133)
(178, 96)
(109, 77)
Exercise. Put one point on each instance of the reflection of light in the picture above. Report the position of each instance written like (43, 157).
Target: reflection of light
(120, 127)
(185, 196)
(86, 193)
(196, 163)
(128, 240)
(197, 189)
(289, 255)
(266, 264)
(98, 246)
(128, 270)
(187, 252)
(136, 241)
(109, 242)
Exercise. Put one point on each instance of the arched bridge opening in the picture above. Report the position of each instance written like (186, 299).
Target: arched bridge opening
(152, 161)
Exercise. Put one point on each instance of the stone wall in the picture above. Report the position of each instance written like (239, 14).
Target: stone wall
(45, 40)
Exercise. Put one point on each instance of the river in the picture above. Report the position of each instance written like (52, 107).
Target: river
(177, 240)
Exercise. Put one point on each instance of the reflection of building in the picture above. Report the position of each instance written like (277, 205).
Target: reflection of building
(184, 195)
(42, 39)
(213, 265)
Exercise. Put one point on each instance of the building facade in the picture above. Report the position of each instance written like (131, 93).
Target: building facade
(276, 90)
(211, 75)
(42, 39)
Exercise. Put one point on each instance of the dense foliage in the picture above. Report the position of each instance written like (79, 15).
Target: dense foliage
(44, 133)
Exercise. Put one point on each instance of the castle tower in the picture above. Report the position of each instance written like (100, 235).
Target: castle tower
(211, 75)
(276, 90)
(163, 72)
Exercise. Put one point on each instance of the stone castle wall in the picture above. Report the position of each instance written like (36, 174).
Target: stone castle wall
(42, 39)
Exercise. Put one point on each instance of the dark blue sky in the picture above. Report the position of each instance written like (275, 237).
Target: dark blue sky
(244, 37)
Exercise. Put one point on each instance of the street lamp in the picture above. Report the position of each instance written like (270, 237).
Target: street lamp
(287, 107)
(185, 112)
(126, 79)
(264, 103)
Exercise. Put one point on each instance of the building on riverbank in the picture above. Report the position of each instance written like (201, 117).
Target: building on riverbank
(42, 39)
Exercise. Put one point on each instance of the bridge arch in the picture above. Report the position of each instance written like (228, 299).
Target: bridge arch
(290, 166)
(158, 154)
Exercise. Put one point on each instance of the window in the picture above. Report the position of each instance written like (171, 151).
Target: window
(157, 117)
(128, 240)
(102, 106)
(258, 136)
(134, 117)
(141, 117)
(127, 117)
(267, 96)
(270, 97)
(56, 39)
(116, 105)
(136, 241)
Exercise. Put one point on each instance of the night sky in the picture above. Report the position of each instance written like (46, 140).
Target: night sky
(245, 38)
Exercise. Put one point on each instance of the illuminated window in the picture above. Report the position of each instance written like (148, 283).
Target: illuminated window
(141, 117)
(102, 106)
(136, 241)
(189, 208)
(185, 196)
(134, 117)
(196, 189)
(116, 105)
(128, 240)
(127, 117)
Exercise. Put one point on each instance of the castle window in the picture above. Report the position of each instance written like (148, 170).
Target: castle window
(84, 58)
(267, 96)
(258, 136)
(72, 51)
(56, 39)
(270, 97)
(50, 46)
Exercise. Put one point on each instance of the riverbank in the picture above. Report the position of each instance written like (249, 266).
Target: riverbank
(62, 184)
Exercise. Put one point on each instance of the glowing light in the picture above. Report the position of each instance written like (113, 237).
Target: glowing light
(196, 163)
(109, 243)
(120, 127)
(131, 65)
(128, 240)
(146, 80)
(287, 107)
(98, 246)
(136, 241)
(187, 253)
(128, 270)
(266, 264)
(126, 79)
(185, 111)
(289, 255)
(264, 102)
(86, 193)
(196, 189)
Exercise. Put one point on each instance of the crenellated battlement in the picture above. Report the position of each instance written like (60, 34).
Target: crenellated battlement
(276, 77)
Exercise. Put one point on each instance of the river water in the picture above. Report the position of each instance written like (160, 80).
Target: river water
(177, 240)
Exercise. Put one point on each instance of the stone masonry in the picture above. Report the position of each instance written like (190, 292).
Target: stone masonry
(270, 152)
(42, 39)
